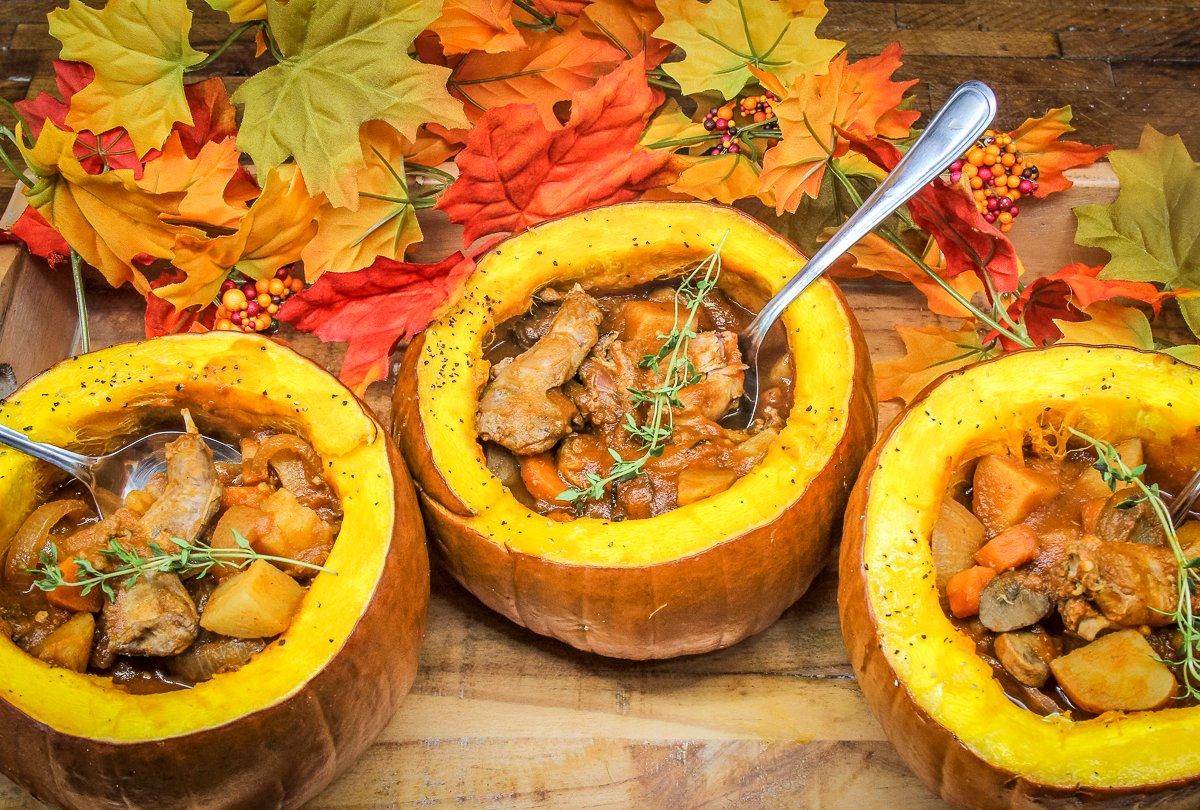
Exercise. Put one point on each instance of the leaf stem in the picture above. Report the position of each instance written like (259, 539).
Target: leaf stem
(8, 162)
(85, 333)
(229, 40)
(542, 22)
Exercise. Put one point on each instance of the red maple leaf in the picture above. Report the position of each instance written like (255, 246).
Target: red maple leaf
(39, 237)
(213, 116)
(163, 319)
(97, 152)
(1064, 295)
(514, 172)
(968, 242)
(373, 308)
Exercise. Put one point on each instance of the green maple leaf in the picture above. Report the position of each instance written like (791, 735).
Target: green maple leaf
(722, 39)
(345, 63)
(139, 50)
(1152, 229)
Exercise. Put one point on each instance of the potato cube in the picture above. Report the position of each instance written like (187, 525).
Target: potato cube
(697, 483)
(1116, 672)
(256, 603)
(69, 646)
(1006, 492)
(1091, 484)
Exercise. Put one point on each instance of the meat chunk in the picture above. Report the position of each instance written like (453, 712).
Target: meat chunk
(192, 493)
(1131, 584)
(522, 407)
(154, 616)
(605, 377)
(716, 356)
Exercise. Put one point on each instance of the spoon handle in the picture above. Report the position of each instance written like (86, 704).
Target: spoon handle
(963, 118)
(72, 463)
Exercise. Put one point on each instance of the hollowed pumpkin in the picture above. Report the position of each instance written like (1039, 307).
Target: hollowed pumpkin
(936, 699)
(702, 576)
(280, 728)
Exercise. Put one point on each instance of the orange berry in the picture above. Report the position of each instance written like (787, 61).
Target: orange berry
(976, 182)
(223, 323)
(276, 287)
(1008, 159)
(297, 284)
(222, 312)
(975, 156)
(273, 308)
(262, 285)
(989, 159)
(1014, 195)
(1013, 181)
(234, 300)
(1005, 227)
(1005, 217)
(725, 112)
(970, 170)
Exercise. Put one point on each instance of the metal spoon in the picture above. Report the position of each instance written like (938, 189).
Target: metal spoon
(109, 478)
(1181, 504)
(959, 123)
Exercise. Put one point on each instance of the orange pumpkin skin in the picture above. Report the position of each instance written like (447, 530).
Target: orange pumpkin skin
(287, 752)
(950, 766)
(695, 603)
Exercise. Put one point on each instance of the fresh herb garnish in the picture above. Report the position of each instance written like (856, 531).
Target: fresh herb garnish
(672, 362)
(1114, 471)
(193, 559)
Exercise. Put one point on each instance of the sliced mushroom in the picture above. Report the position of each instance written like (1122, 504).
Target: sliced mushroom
(1027, 655)
(1008, 603)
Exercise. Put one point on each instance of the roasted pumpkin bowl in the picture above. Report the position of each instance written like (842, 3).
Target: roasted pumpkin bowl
(701, 576)
(280, 728)
(936, 698)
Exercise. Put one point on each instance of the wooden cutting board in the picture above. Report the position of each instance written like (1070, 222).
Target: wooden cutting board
(502, 717)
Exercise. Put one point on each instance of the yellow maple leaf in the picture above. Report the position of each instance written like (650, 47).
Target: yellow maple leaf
(241, 11)
(477, 25)
(384, 224)
(271, 234)
(215, 190)
(107, 218)
(929, 352)
(1109, 323)
(139, 50)
(433, 145)
(726, 178)
(724, 39)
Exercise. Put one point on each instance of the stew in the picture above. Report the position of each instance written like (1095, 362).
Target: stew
(193, 576)
(1063, 576)
(569, 399)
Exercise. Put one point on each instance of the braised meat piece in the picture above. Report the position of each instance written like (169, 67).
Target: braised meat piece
(192, 493)
(523, 408)
(154, 616)
(714, 355)
(1132, 584)
(602, 393)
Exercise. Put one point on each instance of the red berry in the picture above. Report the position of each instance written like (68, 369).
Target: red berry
(985, 173)
(1005, 203)
(227, 284)
(253, 309)
(734, 149)
(993, 204)
(722, 124)
(1014, 210)
(989, 216)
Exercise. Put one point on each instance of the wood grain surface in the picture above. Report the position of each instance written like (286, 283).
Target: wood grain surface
(502, 717)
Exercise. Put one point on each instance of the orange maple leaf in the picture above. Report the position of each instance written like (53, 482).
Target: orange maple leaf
(874, 255)
(929, 352)
(548, 70)
(477, 25)
(819, 113)
(434, 145)
(214, 185)
(1037, 140)
(629, 25)
(514, 172)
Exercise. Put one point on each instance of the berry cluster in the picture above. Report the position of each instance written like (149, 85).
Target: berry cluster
(998, 176)
(756, 109)
(250, 306)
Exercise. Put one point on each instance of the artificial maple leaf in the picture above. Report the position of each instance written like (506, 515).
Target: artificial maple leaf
(629, 24)
(1106, 324)
(163, 319)
(39, 238)
(1037, 140)
(434, 145)
(139, 50)
(213, 115)
(723, 39)
(477, 25)
(514, 172)
(874, 255)
(821, 114)
(384, 224)
(373, 308)
(106, 218)
(948, 214)
(241, 11)
(726, 178)
(550, 69)
(96, 153)
(271, 234)
(1065, 295)
(568, 8)
(345, 64)
(1152, 229)
(929, 352)
(215, 189)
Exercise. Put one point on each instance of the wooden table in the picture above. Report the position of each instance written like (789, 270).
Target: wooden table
(502, 717)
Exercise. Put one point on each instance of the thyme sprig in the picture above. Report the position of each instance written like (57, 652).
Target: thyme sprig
(1114, 471)
(677, 372)
(193, 559)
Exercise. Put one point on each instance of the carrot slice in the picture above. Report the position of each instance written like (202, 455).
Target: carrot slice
(965, 588)
(71, 597)
(540, 474)
(1009, 549)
